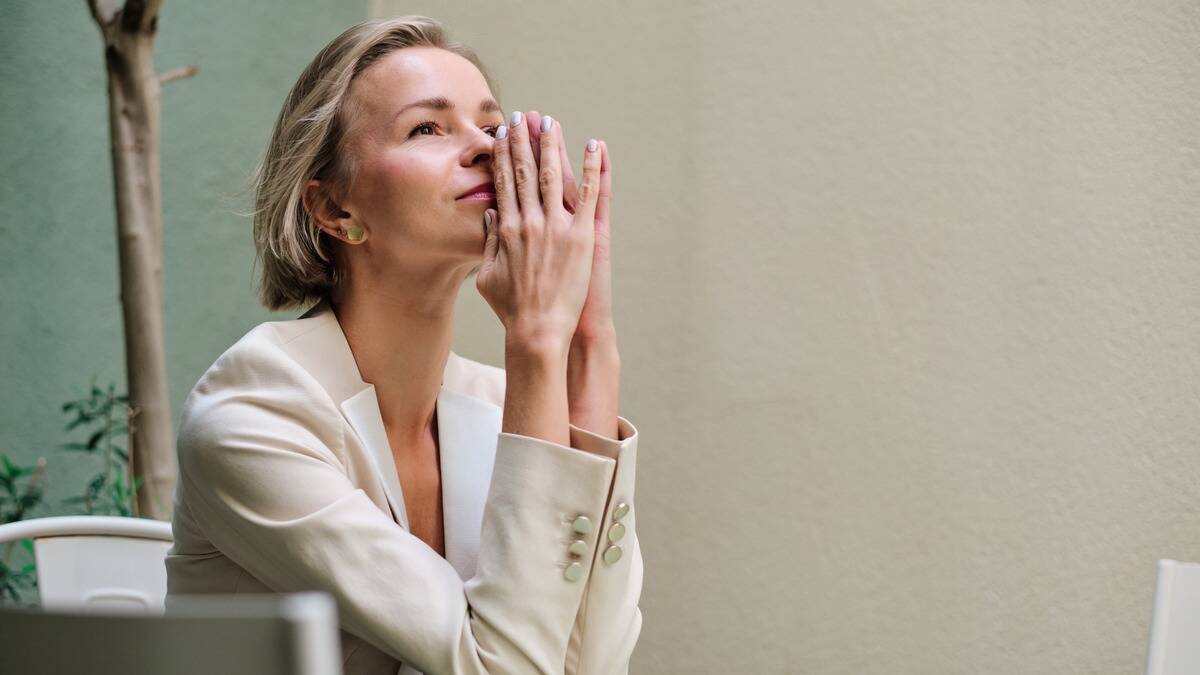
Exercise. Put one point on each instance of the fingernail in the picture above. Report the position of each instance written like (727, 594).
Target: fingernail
(592, 145)
(487, 218)
(547, 121)
(502, 132)
(516, 118)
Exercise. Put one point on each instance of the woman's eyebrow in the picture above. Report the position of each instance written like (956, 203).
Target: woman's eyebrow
(487, 105)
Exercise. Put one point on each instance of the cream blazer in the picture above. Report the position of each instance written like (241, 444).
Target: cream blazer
(287, 483)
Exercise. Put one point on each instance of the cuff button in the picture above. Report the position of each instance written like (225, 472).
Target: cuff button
(574, 572)
(612, 555)
(621, 511)
(578, 548)
(616, 532)
(582, 525)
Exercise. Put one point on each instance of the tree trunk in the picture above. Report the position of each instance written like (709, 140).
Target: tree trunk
(133, 94)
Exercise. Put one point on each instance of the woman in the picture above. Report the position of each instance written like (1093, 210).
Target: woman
(467, 519)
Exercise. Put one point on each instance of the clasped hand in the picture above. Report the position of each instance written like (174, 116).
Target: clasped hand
(546, 269)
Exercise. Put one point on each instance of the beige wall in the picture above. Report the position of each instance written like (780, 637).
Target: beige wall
(909, 304)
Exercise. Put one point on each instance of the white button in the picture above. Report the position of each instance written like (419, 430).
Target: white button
(573, 572)
(616, 532)
(612, 555)
(621, 511)
(578, 548)
(582, 525)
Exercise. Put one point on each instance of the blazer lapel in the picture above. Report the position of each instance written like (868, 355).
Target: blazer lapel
(467, 430)
(362, 412)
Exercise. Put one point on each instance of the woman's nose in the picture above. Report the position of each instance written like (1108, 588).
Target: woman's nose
(480, 149)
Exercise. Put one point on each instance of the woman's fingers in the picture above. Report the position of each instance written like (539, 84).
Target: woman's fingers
(525, 170)
(570, 192)
(589, 186)
(535, 120)
(491, 242)
(550, 171)
(604, 198)
(502, 176)
(537, 262)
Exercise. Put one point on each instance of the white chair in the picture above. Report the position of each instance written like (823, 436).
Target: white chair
(97, 562)
(1175, 627)
(197, 635)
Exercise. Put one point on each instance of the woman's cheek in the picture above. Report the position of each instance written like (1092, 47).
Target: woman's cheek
(415, 175)
(390, 183)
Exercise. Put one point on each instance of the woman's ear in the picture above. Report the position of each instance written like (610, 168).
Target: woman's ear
(328, 215)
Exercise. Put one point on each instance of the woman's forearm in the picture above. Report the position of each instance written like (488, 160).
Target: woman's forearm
(593, 385)
(535, 398)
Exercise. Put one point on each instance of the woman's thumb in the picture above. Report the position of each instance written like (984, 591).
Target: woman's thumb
(491, 242)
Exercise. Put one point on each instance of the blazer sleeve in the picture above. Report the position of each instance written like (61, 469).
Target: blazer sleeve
(261, 459)
(609, 620)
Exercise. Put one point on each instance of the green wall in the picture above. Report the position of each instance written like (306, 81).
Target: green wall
(61, 306)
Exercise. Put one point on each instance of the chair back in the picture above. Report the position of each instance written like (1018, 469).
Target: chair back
(1174, 647)
(97, 562)
(292, 634)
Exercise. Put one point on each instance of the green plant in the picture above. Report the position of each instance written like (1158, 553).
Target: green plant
(22, 491)
(104, 416)
(18, 580)
(101, 418)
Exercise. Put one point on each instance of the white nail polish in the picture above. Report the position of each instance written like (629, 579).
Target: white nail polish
(592, 145)
(516, 118)
(502, 132)
(547, 122)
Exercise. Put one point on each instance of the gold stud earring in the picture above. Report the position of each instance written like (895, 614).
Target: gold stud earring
(354, 233)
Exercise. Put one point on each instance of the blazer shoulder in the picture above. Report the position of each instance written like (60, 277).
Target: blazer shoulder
(260, 353)
(257, 355)
(252, 382)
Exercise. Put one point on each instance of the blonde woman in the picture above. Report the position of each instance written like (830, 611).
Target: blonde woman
(467, 519)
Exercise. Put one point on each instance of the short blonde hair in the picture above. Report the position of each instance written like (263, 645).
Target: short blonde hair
(299, 265)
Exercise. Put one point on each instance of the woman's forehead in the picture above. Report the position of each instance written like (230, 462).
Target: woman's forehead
(416, 73)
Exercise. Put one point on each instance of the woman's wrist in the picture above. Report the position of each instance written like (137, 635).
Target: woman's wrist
(537, 338)
(593, 358)
(593, 386)
(535, 401)
(595, 340)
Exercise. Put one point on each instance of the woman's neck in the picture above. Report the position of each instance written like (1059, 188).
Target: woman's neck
(401, 343)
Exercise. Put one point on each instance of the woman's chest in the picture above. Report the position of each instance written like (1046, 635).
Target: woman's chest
(421, 484)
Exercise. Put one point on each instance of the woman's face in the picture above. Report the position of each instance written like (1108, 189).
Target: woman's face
(421, 135)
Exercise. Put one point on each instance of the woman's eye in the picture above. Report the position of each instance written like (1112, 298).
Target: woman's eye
(423, 125)
(416, 131)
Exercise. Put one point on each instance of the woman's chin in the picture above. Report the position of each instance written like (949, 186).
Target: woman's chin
(476, 208)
